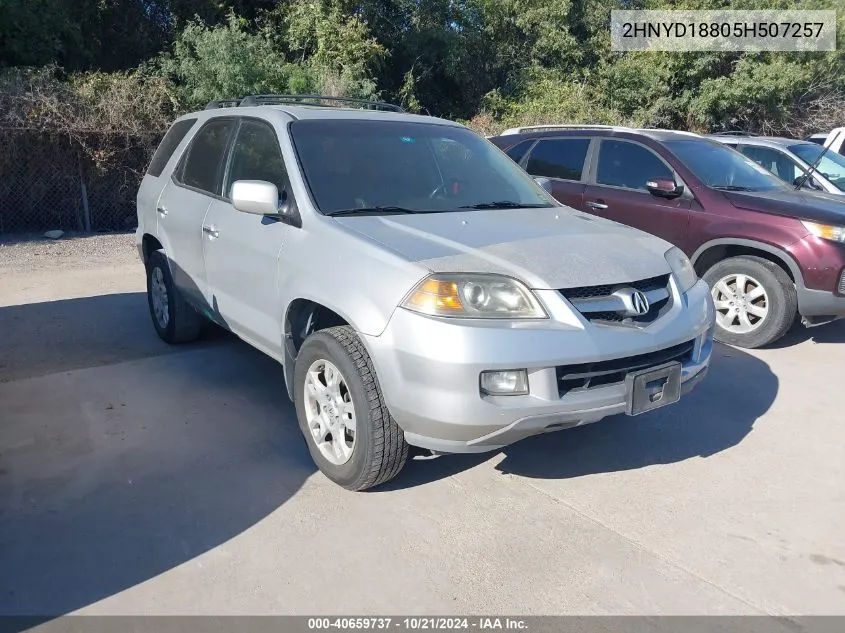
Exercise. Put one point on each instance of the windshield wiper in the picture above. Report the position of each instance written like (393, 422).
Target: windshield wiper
(732, 188)
(802, 180)
(388, 210)
(503, 204)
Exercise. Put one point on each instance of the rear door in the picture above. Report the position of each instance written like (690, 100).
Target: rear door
(562, 160)
(158, 175)
(241, 250)
(617, 190)
(183, 204)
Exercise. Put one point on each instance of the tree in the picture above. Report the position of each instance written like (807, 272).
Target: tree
(228, 61)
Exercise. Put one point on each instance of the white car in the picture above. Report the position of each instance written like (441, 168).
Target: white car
(835, 140)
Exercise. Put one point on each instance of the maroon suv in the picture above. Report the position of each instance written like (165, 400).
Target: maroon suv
(769, 253)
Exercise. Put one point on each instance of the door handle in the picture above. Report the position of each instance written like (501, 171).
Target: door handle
(211, 231)
(162, 211)
(596, 205)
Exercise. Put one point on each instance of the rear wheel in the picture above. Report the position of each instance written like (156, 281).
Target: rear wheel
(173, 318)
(755, 301)
(341, 411)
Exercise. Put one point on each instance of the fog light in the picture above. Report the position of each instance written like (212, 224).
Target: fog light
(511, 382)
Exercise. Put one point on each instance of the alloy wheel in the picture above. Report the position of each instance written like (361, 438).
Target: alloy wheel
(742, 303)
(330, 412)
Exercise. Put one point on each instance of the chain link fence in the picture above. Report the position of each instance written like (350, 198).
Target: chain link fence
(48, 182)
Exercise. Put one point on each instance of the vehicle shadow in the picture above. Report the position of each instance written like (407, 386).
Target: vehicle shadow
(828, 333)
(717, 415)
(129, 457)
(76, 333)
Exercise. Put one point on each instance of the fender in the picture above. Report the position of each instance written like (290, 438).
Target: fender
(781, 254)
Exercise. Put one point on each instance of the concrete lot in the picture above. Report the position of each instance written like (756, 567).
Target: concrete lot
(136, 478)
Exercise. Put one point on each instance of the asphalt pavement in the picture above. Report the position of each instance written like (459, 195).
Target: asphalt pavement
(138, 478)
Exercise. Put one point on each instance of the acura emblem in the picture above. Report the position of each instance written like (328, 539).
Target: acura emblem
(639, 303)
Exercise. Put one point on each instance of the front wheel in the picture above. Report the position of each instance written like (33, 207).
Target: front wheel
(341, 411)
(755, 301)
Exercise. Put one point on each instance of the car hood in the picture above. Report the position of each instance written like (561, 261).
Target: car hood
(815, 207)
(545, 248)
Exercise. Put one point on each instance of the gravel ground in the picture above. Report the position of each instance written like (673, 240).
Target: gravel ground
(21, 253)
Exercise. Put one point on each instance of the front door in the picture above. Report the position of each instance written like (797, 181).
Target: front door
(241, 250)
(183, 204)
(618, 191)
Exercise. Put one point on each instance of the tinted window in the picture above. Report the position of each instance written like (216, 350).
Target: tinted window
(628, 165)
(518, 151)
(721, 167)
(776, 162)
(204, 158)
(168, 145)
(559, 158)
(355, 164)
(256, 156)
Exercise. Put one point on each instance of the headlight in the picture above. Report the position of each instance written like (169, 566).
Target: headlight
(474, 296)
(826, 231)
(681, 268)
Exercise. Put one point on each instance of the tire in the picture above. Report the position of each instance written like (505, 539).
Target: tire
(379, 450)
(780, 300)
(181, 323)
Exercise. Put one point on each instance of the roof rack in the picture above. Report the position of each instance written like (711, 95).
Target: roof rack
(222, 103)
(660, 129)
(736, 133)
(311, 100)
(566, 126)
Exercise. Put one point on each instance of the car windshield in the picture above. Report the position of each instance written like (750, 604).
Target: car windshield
(721, 167)
(369, 166)
(831, 166)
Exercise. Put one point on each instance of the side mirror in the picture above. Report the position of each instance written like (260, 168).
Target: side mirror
(545, 183)
(664, 188)
(259, 198)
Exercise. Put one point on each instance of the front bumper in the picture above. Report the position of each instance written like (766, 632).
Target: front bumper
(429, 369)
(820, 305)
(821, 288)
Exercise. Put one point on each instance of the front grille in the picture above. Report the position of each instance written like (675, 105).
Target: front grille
(610, 372)
(588, 300)
(588, 292)
(841, 288)
(655, 310)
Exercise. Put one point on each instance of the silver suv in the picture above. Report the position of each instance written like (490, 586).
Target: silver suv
(791, 160)
(416, 285)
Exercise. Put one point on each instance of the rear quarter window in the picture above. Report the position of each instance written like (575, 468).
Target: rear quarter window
(168, 145)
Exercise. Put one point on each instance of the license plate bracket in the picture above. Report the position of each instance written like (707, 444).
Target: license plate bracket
(652, 388)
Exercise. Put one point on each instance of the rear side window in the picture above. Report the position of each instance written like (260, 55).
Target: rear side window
(776, 162)
(202, 165)
(256, 156)
(168, 145)
(628, 165)
(559, 158)
(518, 151)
